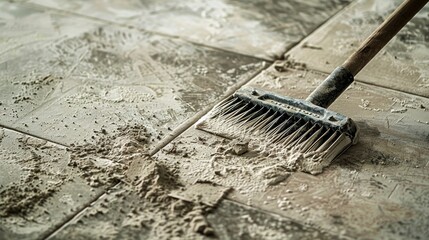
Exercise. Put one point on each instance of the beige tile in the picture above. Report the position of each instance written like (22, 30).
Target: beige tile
(26, 28)
(401, 65)
(114, 76)
(256, 28)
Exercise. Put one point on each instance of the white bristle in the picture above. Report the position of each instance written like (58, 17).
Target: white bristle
(236, 118)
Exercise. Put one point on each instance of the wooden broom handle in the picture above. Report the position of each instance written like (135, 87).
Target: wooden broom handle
(382, 35)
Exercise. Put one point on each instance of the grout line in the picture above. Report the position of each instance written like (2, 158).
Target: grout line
(316, 28)
(393, 190)
(328, 21)
(356, 80)
(32, 135)
(60, 226)
(219, 48)
(391, 89)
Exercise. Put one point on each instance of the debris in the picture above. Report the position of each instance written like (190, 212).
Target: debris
(306, 45)
(401, 110)
(239, 147)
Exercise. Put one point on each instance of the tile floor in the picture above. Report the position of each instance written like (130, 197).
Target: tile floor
(93, 75)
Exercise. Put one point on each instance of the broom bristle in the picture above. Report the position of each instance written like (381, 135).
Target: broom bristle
(237, 117)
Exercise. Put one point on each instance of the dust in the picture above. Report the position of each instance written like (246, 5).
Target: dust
(281, 154)
(1, 135)
(238, 147)
(279, 161)
(118, 159)
(144, 206)
(289, 63)
(258, 166)
(123, 157)
(275, 79)
(18, 200)
(32, 85)
(203, 191)
(37, 183)
(154, 182)
(397, 105)
(105, 161)
(402, 105)
(366, 104)
(105, 230)
(188, 206)
(399, 110)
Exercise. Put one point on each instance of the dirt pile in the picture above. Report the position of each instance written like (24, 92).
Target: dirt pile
(37, 183)
(119, 159)
(144, 207)
(146, 203)
(174, 217)
(105, 161)
(16, 200)
(270, 165)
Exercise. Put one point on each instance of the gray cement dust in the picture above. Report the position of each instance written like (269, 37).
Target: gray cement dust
(123, 158)
(34, 187)
(269, 165)
(119, 159)
(144, 196)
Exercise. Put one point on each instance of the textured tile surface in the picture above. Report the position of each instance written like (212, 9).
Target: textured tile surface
(39, 191)
(258, 28)
(112, 76)
(69, 80)
(401, 65)
(27, 28)
(365, 193)
(88, 71)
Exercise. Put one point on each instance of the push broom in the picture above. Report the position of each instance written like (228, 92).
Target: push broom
(304, 128)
